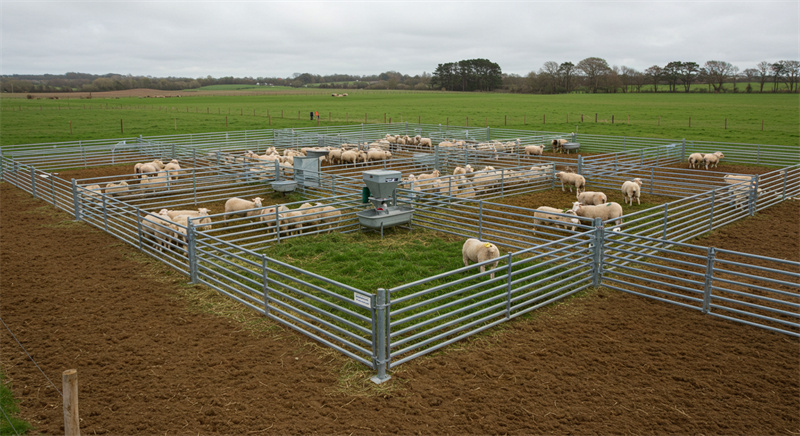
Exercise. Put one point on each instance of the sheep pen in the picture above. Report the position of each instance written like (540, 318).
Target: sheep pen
(498, 221)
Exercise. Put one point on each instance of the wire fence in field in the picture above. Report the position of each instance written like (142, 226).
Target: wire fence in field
(550, 256)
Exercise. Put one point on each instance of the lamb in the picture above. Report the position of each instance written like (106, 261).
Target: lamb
(571, 179)
(201, 212)
(425, 142)
(94, 192)
(478, 251)
(350, 156)
(631, 189)
(712, 159)
(534, 150)
(147, 167)
(462, 170)
(114, 189)
(544, 213)
(592, 198)
(174, 169)
(558, 144)
(237, 206)
(375, 154)
(158, 228)
(695, 159)
(741, 193)
(608, 211)
(328, 216)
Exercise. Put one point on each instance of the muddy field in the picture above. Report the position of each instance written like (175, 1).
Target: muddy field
(158, 356)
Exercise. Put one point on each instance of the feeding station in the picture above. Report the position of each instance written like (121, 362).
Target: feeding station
(570, 146)
(381, 188)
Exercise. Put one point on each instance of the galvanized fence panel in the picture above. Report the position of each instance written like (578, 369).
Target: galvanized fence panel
(335, 314)
(755, 290)
(432, 313)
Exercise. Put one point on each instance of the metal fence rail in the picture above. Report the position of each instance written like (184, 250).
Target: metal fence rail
(335, 314)
(755, 290)
(429, 314)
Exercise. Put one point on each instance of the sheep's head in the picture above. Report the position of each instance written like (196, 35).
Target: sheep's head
(203, 211)
(257, 201)
(638, 181)
(576, 206)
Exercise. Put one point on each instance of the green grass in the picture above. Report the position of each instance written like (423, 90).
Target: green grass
(24, 121)
(367, 262)
(9, 422)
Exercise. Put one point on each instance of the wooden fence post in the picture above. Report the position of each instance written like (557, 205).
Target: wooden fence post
(69, 387)
(121, 127)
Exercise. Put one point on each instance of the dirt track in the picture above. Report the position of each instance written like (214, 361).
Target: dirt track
(152, 360)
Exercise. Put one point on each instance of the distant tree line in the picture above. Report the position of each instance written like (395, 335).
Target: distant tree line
(590, 75)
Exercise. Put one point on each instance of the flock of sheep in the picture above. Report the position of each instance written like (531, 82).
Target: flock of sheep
(168, 227)
(148, 177)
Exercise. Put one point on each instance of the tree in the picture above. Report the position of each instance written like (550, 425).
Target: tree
(595, 70)
(626, 77)
(717, 72)
(763, 69)
(468, 75)
(778, 69)
(688, 71)
(654, 73)
(548, 78)
(565, 72)
(671, 72)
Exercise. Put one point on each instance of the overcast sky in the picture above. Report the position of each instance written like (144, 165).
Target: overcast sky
(277, 39)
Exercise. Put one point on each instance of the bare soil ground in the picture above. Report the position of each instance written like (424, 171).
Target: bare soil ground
(158, 356)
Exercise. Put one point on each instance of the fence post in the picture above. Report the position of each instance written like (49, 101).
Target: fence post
(753, 194)
(2, 164)
(712, 252)
(105, 212)
(480, 219)
(683, 150)
(508, 288)
(76, 204)
(666, 220)
(191, 246)
(69, 387)
(139, 226)
(266, 284)
(785, 175)
(52, 188)
(652, 179)
(598, 252)
(711, 212)
(380, 335)
(33, 181)
(580, 164)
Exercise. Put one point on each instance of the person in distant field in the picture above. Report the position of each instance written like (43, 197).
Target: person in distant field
(312, 115)
(317, 115)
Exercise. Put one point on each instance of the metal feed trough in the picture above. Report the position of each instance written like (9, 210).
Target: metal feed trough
(382, 186)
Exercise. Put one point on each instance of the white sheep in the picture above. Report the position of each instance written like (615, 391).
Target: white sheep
(237, 206)
(534, 150)
(425, 142)
(158, 228)
(571, 179)
(740, 193)
(608, 211)
(592, 197)
(174, 169)
(543, 213)
(201, 212)
(462, 170)
(350, 156)
(114, 189)
(147, 167)
(478, 251)
(94, 192)
(632, 189)
(695, 159)
(375, 154)
(712, 159)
